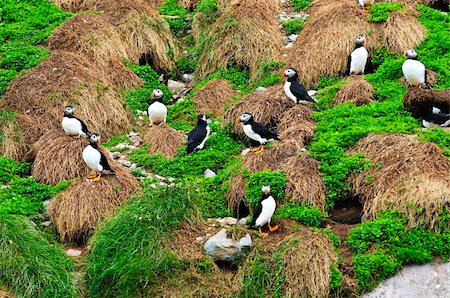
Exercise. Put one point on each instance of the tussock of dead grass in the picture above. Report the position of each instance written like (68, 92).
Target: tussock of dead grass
(245, 35)
(402, 32)
(4, 293)
(77, 210)
(214, 97)
(236, 193)
(267, 108)
(406, 175)
(297, 126)
(420, 101)
(357, 91)
(58, 158)
(163, 139)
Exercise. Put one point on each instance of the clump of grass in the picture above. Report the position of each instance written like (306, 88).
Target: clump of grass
(307, 215)
(293, 26)
(29, 265)
(438, 136)
(175, 14)
(300, 5)
(380, 11)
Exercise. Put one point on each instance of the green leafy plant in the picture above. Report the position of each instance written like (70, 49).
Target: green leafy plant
(175, 15)
(300, 5)
(293, 26)
(380, 11)
(306, 215)
(276, 180)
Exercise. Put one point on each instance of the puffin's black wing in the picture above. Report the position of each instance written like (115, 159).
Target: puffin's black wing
(195, 138)
(300, 92)
(349, 62)
(104, 162)
(256, 214)
(263, 131)
(369, 66)
(438, 119)
(83, 126)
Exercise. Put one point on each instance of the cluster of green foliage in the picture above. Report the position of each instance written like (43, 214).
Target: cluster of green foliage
(293, 26)
(10, 168)
(175, 14)
(307, 215)
(383, 245)
(269, 74)
(29, 265)
(23, 26)
(336, 278)
(128, 254)
(276, 180)
(219, 148)
(379, 13)
(300, 5)
(438, 136)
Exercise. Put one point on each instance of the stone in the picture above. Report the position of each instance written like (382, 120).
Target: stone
(120, 146)
(221, 248)
(116, 155)
(312, 92)
(430, 280)
(171, 179)
(140, 118)
(230, 221)
(245, 151)
(187, 77)
(199, 239)
(160, 177)
(74, 252)
(46, 223)
(242, 221)
(46, 203)
(286, 40)
(136, 140)
(209, 173)
(175, 86)
(289, 45)
(283, 19)
(133, 166)
(153, 185)
(260, 89)
(292, 37)
(124, 162)
(132, 134)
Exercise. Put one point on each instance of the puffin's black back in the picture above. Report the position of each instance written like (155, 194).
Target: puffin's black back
(103, 160)
(197, 135)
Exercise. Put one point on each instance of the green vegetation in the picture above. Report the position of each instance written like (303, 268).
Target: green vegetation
(175, 15)
(11, 168)
(380, 11)
(114, 141)
(29, 265)
(384, 245)
(300, 5)
(269, 74)
(24, 26)
(438, 136)
(307, 215)
(276, 180)
(128, 254)
(293, 26)
(336, 278)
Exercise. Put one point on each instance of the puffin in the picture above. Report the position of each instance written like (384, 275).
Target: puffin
(364, 3)
(157, 111)
(264, 211)
(358, 60)
(436, 118)
(95, 159)
(414, 70)
(72, 125)
(258, 133)
(293, 89)
(198, 136)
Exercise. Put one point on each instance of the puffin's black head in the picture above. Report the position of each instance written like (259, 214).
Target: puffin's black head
(411, 54)
(202, 120)
(245, 118)
(68, 110)
(290, 74)
(94, 138)
(157, 94)
(265, 189)
(360, 39)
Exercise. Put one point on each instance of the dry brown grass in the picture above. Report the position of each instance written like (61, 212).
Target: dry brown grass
(5, 293)
(296, 125)
(163, 139)
(407, 175)
(214, 97)
(402, 32)
(420, 101)
(267, 108)
(236, 193)
(201, 23)
(77, 210)
(305, 185)
(245, 35)
(357, 91)
(58, 158)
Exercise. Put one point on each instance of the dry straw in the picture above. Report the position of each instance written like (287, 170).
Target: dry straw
(296, 125)
(420, 101)
(214, 97)
(406, 175)
(245, 35)
(164, 140)
(357, 91)
(402, 31)
(77, 210)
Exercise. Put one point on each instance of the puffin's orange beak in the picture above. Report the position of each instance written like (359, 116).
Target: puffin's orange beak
(238, 121)
(405, 53)
(152, 95)
(283, 75)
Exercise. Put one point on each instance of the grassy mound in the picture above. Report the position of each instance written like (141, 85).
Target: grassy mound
(213, 98)
(163, 140)
(357, 91)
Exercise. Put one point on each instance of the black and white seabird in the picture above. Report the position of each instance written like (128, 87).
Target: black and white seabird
(358, 60)
(257, 132)
(72, 125)
(264, 211)
(157, 111)
(198, 136)
(95, 159)
(414, 70)
(364, 3)
(293, 89)
(436, 118)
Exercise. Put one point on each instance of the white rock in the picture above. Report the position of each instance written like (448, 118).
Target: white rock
(160, 177)
(312, 92)
(292, 37)
(136, 140)
(124, 162)
(132, 134)
(199, 239)
(187, 77)
(162, 184)
(289, 45)
(283, 19)
(46, 223)
(230, 221)
(46, 203)
(171, 179)
(175, 86)
(260, 89)
(116, 155)
(209, 173)
(242, 221)
(74, 252)
(140, 118)
(120, 146)
(153, 186)
(303, 150)
(221, 248)
(245, 151)
(133, 166)
(286, 40)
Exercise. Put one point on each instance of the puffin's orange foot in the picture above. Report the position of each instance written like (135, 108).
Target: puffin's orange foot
(96, 179)
(78, 136)
(254, 149)
(92, 175)
(262, 233)
(364, 10)
(260, 149)
(272, 229)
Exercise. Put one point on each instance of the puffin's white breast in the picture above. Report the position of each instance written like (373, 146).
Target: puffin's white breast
(358, 60)
(366, 2)
(253, 135)
(157, 112)
(287, 90)
(202, 144)
(92, 157)
(268, 209)
(72, 126)
(414, 72)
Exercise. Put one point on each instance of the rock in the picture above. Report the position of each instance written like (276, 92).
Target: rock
(199, 239)
(120, 146)
(209, 173)
(124, 162)
(283, 19)
(292, 37)
(242, 221)
(260, 89)
(304, 150)
(46, 203)
(140, 118)
(221, 248)
(187, 77)
(175, 86)
(74, 252)
(136, 140)
(230, 221)
(171, 179)
(162, 184)
(289, 45)
(160, 177)
(153, 186)
(286, 40)
(133, 166)
(116, 155)
(245, 151)
(132, 134)
(312, 92)
(46, 223)
(431, 281)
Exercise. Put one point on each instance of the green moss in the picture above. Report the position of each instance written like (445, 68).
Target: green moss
(29, 265)
(306, 215)
(175, 14)
(293, 26)
(268, 74)
(438, 136)
(276, 180)
(10, 168)
(336, 278)
(380, 11)
(300, 5)
(116, 140)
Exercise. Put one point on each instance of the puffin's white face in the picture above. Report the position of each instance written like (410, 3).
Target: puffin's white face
(157, 93)
(266, 189)
(204, 118)
(95, 137)
(68, 110)
(360, 39)
(411, 53)
(245, 117)
(289, 73)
